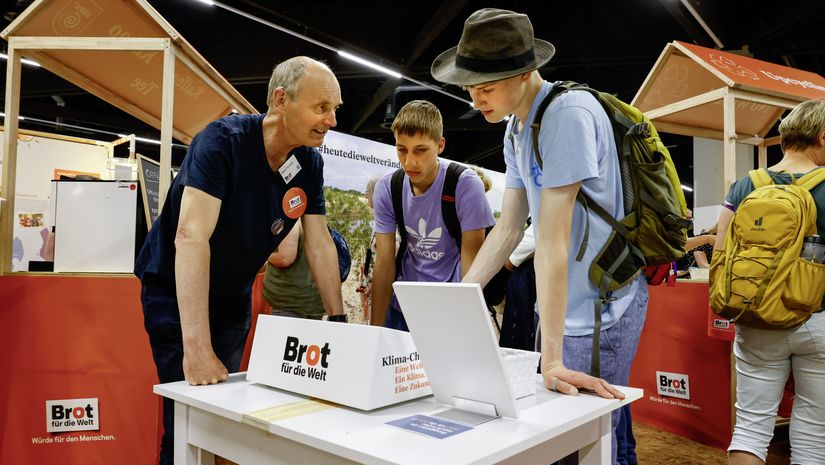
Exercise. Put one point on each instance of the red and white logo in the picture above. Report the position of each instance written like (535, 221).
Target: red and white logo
(72, 415)
(673, 384)
(721, 324)
(294, 203)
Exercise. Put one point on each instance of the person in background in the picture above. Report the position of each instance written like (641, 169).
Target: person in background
(702, 249)
(485, 180)
(432, 255)
(518, 327)
(698, 251)
(245, 181)
(496, 289)
(496, 61)
(288, 285)
(365, 278)
(766, 357)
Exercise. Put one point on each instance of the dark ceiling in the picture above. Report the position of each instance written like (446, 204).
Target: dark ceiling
(610, 45)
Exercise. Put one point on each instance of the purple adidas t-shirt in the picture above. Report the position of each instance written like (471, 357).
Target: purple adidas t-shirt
(432, 254)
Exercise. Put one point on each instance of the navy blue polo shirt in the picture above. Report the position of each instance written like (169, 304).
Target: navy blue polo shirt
(227, 160)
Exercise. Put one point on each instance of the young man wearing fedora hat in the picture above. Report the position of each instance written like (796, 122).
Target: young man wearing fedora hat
(496, 60)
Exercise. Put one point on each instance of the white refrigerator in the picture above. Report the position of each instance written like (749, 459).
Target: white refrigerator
(94, 225)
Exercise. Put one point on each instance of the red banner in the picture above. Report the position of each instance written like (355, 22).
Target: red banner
(686, 375)
(77, 363)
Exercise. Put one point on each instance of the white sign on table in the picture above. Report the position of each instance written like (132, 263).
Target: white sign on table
(359, 366)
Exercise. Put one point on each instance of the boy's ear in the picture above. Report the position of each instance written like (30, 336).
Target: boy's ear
(441, 144)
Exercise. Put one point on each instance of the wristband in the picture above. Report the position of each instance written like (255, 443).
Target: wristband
(342, 318)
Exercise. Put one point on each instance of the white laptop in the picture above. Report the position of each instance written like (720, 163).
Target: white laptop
(454, 336)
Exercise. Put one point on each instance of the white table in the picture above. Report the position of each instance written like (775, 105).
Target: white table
(216, 420)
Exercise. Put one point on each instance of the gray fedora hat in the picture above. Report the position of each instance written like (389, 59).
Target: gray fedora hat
(495, 44)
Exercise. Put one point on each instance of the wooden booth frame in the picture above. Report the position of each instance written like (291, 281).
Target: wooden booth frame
(739, 79)
(55, 53)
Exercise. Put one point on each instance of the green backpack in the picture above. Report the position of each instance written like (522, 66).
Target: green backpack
(654, 230)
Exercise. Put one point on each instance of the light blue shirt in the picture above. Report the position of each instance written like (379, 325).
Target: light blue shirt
(576, 144)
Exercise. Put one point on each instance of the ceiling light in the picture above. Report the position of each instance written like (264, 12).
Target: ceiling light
(142, 139)
(687, 188)
(22, 60)
(331, 48)
(369, 64)
(208, 2)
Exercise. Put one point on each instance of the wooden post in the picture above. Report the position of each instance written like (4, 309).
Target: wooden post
(167, 108)
(729, 142)
(9, 166)
(763, 155)
(686, 104)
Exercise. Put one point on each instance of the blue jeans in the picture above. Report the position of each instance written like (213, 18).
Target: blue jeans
(228, 341)
(625, 441)
(617, 351)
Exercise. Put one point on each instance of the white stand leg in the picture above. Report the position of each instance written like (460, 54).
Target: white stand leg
(184, 453)
(598, 453)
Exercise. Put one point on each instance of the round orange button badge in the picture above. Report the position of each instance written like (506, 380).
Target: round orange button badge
(294, 203)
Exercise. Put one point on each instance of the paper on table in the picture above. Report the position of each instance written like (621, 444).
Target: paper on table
(263, 417)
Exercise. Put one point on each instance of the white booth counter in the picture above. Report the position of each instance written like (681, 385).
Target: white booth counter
(254, 424)
(364, 366)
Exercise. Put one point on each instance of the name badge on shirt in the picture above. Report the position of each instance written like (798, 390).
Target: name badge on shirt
(289, 169)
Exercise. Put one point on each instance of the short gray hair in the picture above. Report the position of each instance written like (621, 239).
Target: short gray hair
(288, 74)
(803, 125)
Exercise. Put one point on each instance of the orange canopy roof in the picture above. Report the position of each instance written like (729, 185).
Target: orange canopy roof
(128, 79)
(685, 70)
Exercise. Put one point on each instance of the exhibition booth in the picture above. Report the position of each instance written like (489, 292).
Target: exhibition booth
(705, 93)
(78, 351)
(78, 342)
(79, 364)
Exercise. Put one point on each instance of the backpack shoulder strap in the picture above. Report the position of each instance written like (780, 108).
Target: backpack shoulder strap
(760, 178)
(396, 192)
(536, 124)
(811, 179)
(448, 204)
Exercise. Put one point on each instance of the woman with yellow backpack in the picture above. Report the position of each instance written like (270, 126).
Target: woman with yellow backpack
(761, 280)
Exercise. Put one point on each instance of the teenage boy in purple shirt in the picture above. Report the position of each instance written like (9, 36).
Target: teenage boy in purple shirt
(431, 254)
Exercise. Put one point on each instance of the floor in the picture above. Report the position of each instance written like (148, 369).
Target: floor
(657, 447)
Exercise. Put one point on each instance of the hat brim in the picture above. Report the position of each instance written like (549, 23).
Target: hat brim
(444, 69)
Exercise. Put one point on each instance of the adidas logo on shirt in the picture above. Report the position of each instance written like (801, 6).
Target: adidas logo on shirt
(424, 241)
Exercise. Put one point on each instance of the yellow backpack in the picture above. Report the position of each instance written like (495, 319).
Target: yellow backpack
(758, 279)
